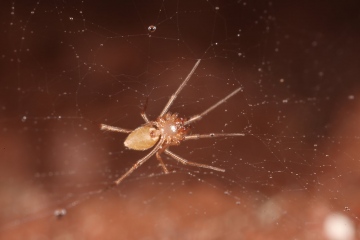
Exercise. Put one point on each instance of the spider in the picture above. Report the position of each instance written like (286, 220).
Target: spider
(167, 130)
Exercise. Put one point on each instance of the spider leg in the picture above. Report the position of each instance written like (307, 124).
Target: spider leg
(199, 116)
(114, 129)
(162, 163)
(186, 162)
(174, 96)
(143, 112)
(213, 135)
(141, 161)
(143, 115)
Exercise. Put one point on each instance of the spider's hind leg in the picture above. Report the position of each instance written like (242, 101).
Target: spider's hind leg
(166, 171)
(143, 111)
(141, 161)
(105, 127)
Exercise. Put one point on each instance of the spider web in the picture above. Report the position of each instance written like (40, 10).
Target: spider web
(68, 66)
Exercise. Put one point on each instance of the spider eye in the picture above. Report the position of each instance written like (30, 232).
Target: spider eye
(173, 128)
(169, 129)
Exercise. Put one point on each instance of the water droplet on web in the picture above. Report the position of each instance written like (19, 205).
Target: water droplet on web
(71, 18)
(59, 213)
(23, 119)
(152, 28)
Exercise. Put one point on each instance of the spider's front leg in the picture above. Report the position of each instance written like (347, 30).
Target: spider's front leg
(213, 135)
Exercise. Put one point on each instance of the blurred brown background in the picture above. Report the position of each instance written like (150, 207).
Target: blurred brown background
(68, 66)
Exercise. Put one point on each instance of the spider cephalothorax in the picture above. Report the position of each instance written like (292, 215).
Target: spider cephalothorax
(167, 130)
(172, 128)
